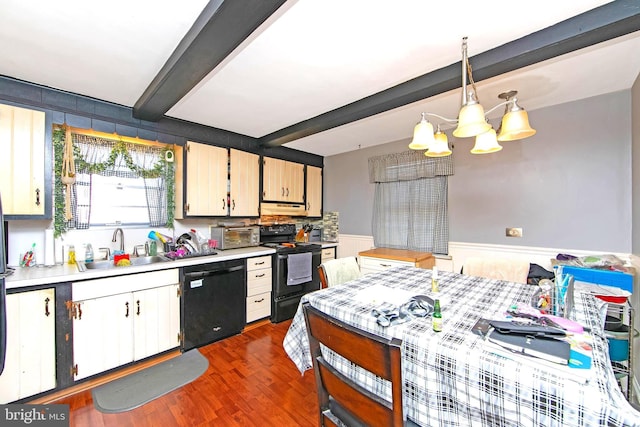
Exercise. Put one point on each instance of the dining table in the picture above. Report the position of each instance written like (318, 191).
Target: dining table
(455, 377)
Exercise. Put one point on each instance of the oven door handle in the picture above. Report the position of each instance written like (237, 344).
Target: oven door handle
(207, 273)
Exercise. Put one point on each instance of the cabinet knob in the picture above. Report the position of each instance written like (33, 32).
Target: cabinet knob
(126, 304)
(37, 197)
(46, 307)
(138, 308)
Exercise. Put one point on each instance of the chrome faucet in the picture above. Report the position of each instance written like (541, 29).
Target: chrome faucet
(115, 237)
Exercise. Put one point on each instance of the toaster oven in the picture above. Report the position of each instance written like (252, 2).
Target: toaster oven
(235, 237)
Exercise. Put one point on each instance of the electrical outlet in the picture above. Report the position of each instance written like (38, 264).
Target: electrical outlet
(514, 232)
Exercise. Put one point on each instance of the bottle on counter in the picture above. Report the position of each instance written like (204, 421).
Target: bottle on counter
(153, 248)
(434, 280)
(71, 259)
(436, 317)
(88, 253)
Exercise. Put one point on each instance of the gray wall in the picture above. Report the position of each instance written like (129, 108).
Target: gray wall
(568, 187)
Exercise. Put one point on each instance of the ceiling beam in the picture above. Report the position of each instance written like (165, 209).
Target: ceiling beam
(221, 27)
(604, 23)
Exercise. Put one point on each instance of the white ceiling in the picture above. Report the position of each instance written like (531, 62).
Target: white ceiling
(310, 57)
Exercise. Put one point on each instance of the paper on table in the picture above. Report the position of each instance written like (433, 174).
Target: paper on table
(377, 294)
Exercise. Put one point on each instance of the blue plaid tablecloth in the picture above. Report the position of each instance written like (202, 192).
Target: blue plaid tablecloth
(452, 378)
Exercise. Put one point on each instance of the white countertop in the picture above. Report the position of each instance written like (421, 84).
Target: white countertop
(42, 275)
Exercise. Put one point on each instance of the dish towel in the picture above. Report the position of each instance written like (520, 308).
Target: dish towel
(299, 268)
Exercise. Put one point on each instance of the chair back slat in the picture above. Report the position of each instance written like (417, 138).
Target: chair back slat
(375, 354)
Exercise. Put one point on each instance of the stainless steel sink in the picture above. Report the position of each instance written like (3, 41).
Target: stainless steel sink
(108, 264)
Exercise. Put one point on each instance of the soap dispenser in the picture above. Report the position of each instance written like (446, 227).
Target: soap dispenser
(88, 254)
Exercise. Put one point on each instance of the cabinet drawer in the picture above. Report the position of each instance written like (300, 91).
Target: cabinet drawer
(378, 264)
(259, 262)
(258, 281)
(258, 306)
(328, 253)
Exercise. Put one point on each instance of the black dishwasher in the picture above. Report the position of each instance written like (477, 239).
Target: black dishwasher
(214, 302)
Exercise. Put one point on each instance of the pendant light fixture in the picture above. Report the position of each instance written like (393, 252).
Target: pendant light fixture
(440, 146)
(472, 121)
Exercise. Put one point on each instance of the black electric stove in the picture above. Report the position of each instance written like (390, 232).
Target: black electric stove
(285, 298)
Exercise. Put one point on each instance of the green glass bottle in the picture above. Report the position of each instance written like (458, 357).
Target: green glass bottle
(436, 317)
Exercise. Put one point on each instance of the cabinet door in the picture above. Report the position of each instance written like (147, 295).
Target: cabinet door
(273, 171)
(22, 140)
(294, 182)
(244, 183)
(30, 365)
(314, 191)
(207, 174)
(156, 324)
(102, 334)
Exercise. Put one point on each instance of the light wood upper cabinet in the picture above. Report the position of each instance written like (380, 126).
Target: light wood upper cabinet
(314, 191)
(207, 174)
(244, 183)
(30, 364)
(22, 141)
(282, 181)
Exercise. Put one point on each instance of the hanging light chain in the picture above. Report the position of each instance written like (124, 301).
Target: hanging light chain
(473, 83)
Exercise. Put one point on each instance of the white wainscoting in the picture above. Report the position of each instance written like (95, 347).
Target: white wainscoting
(351, 244)
(459, 252)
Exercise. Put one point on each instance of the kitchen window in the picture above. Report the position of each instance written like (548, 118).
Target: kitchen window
(116, 182)
(410, 208)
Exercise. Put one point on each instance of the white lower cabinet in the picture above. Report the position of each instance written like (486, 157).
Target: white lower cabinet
(328, 254)
(122, 319)
(30, 364)
(372, 265)
(156, 324)
(258, 288)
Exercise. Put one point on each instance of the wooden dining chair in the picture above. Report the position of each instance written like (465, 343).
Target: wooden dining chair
(341, 399)
(338, 271)
(490, 267)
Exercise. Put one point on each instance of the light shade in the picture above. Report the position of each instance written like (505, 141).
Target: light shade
(515, 125)
(471, 121)
(486, 143)
(440, 147)
(422, 135)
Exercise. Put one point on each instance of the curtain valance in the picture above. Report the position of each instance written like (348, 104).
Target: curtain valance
(407, 166)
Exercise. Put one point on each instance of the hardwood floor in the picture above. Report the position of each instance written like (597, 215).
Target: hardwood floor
(250, 382)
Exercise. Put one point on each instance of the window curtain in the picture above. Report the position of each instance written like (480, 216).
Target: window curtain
(94, 155)
(410, 201)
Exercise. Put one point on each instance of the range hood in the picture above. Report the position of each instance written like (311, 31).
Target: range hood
(282, 209)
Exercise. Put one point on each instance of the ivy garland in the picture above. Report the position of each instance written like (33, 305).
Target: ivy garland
(59, 223)
(161, 169)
